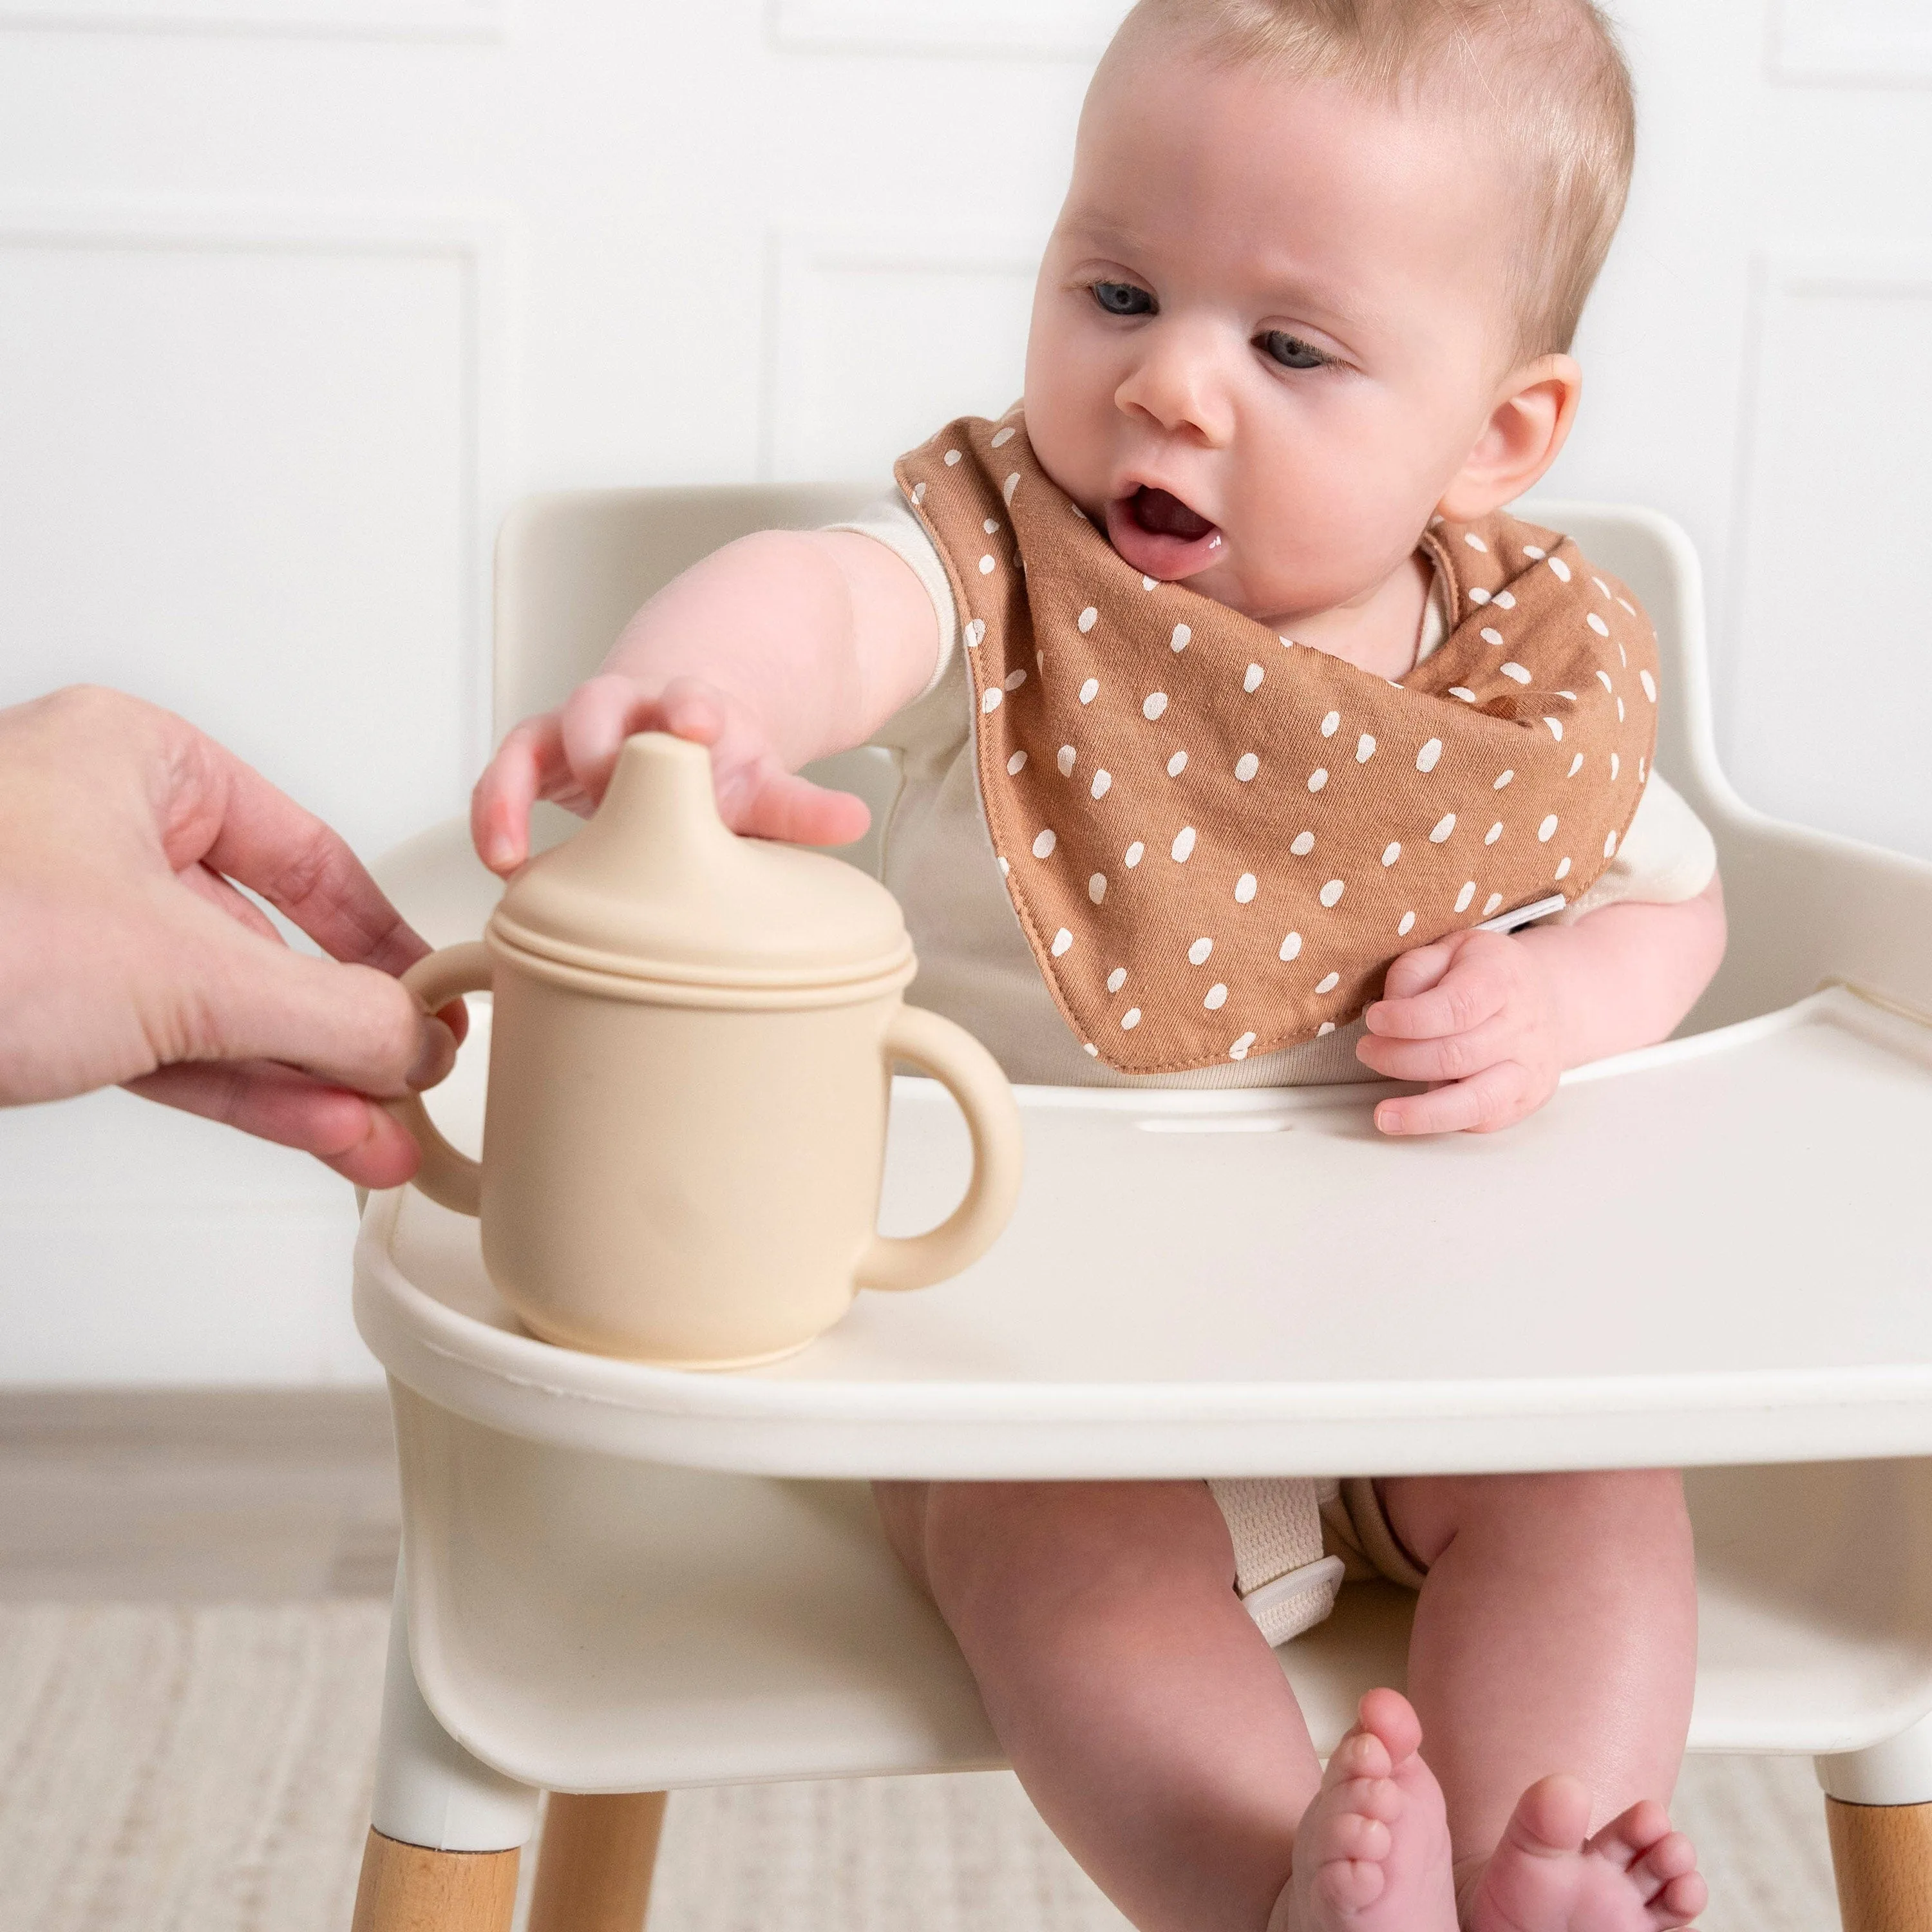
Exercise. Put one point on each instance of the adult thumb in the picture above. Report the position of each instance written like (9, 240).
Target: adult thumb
(236, 995)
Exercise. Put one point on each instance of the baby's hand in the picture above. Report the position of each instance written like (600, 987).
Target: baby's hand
(567, 756)
(1477, 1013)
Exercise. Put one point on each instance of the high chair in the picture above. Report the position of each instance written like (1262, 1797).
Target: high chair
(618, 1580)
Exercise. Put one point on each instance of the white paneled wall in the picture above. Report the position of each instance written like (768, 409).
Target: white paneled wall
(297, 295)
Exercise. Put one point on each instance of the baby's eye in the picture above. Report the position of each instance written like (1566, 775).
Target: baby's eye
(1123, 298)
(1291, 352)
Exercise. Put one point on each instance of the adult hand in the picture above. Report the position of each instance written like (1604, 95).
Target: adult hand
(127, 957)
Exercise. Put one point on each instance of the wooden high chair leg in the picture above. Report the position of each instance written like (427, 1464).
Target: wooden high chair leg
(594, 1870)
(410, 1888)
(446, 1830)
(1878, 1809)
(1882, 1855)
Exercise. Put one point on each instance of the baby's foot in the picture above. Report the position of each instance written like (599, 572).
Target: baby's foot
(1636, 1875)
(1371, 1853)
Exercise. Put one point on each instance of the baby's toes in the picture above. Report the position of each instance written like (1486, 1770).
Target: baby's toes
(1631, 1835)
(1678, 1901)
(1361, 1754)
(1551, 1817)
(1673, 1856)
(1351, 1885)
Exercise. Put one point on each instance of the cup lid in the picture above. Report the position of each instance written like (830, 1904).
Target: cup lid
(656, 887)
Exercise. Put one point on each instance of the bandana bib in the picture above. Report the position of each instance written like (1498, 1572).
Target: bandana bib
(1215, 841)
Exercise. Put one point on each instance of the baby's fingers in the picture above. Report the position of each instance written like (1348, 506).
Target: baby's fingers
(1415, 972)
(1455, 1056)
(1457, 1001)
(605, 710)
(778, 804)
(499, 807)
(1494, 1098)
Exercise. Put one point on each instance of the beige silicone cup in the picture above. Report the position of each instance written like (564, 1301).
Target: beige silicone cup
(691, 1178)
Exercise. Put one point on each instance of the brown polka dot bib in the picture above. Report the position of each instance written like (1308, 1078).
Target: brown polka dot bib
(1216, 840)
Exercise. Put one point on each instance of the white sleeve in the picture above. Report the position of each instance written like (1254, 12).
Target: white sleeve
(1666, 857)
(891, 521)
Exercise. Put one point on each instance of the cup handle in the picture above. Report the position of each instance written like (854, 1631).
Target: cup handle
(972, 1076)
(452, 1180)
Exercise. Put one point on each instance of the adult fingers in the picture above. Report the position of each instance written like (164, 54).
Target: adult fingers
(1493, 1098)
(223, 897)
(222, 993)
(264, 840)
(1472, 990)
(1455, 1056)
(238, 907)
(345, 1131)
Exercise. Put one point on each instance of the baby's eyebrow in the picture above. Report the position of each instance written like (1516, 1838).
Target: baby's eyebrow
(1096, 228)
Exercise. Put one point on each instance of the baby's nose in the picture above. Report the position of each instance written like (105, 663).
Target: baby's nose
(1178, 382)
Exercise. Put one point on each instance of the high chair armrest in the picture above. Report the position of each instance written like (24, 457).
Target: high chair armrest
(1806, 907)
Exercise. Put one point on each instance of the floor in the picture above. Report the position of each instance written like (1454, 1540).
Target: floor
(193, 1601)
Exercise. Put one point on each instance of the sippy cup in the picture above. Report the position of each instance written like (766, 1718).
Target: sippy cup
(689, 1073)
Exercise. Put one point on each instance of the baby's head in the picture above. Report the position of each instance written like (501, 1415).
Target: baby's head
(1316, 279)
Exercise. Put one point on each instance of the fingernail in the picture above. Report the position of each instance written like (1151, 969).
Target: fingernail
(436, 1054)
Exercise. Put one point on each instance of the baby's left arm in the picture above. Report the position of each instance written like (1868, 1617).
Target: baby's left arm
(1495, 1018)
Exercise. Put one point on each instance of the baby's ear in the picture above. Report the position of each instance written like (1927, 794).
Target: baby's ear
(1527, 426)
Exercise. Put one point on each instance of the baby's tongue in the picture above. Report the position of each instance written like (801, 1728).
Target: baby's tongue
(1166, 515)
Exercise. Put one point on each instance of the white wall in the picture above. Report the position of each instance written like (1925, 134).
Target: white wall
(297, 295)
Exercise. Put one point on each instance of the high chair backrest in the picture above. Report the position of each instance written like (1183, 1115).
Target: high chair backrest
(571, 567)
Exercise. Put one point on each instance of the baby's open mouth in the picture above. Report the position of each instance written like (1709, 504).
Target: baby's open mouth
(1164, 514)
(1159, 535)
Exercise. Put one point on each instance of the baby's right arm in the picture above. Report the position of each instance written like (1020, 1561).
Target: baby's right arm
(780, 648)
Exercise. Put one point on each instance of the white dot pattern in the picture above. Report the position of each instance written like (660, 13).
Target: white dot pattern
(1065, 762)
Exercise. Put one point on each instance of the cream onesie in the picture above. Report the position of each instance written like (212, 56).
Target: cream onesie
(1293, 1538)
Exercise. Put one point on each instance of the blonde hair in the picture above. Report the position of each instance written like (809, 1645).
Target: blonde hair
(1547, 74)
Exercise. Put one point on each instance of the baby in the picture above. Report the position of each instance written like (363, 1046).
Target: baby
(1300, 331)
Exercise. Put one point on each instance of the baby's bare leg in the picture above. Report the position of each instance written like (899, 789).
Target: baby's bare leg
(1144, 1711)
(1557, 1632)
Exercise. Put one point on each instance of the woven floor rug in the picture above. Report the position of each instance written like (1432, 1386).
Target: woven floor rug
(207, 1769)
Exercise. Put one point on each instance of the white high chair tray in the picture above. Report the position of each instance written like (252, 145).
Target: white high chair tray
(1712, 1251)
